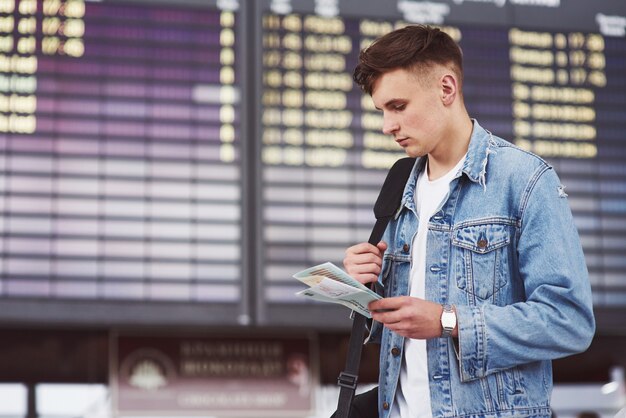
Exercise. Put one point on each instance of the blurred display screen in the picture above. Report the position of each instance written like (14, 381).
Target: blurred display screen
(119, 133)
(548, 83)
(201, 153)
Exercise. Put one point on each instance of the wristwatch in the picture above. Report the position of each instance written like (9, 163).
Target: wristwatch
(448, 321)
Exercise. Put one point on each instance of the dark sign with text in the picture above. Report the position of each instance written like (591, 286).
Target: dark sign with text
(213, 375)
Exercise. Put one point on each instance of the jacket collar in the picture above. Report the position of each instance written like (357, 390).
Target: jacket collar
(480, 146)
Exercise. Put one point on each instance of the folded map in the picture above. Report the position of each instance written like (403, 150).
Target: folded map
(328, 283)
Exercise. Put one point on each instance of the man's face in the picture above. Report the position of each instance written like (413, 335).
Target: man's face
(413, 112)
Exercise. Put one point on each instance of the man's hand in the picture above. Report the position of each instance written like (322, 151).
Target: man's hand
(409, 317)
(364, 261)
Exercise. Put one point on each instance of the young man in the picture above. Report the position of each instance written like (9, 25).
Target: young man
(484, 275)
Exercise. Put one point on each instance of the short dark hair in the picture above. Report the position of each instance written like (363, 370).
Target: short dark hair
(415, 47)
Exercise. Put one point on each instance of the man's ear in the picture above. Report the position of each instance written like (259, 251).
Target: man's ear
(448, 84)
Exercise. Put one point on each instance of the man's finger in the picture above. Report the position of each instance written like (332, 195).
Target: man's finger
(388, 303)
(372, 268)
(362, 248)
(386, 317)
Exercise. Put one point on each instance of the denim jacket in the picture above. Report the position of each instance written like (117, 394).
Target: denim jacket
(504, 250)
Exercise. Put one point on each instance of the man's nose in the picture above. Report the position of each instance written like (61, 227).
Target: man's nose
(390, 125)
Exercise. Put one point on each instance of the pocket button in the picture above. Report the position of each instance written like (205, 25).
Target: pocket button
(482, 244)
(405, 248)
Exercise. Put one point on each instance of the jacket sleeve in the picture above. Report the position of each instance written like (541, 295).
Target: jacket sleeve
(556, 319)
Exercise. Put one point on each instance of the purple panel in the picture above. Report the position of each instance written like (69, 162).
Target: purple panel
(207, 133)
(89, 127)
(127, 129)
(22, 287)
(209, 113)
(171, 91)
(172, 132)
(128, 149)
(81, 147)
(197, 16)
(126, 109)
(171, 111)
(125, 89)
(38, 145)
(127, 70)
(48, 84)
(154, 53)
(181, 36)
(90, 107)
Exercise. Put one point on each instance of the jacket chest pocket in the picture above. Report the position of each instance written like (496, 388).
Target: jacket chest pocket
(481, 260)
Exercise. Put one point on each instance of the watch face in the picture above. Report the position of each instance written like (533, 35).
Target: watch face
(448, 319)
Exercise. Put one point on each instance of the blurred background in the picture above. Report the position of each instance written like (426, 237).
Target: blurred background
(168, 165)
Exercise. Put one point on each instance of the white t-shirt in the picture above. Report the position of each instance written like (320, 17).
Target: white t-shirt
(413, 394)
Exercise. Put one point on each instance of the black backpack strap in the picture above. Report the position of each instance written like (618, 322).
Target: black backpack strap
(386, 206)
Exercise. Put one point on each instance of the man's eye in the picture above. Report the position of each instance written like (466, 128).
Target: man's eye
(399, 107)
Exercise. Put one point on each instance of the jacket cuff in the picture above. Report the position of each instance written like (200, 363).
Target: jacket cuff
(472, 342)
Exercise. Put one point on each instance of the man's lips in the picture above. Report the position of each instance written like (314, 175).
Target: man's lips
(402, 141)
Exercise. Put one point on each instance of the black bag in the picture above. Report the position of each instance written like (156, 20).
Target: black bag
(365, 405)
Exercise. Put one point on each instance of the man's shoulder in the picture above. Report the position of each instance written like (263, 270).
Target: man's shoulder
(508, 155)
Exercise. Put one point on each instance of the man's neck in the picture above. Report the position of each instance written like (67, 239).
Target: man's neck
(445, 157)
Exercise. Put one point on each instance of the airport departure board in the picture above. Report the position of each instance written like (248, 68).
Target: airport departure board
(119, 130)
(548, 76)
(177, 161)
